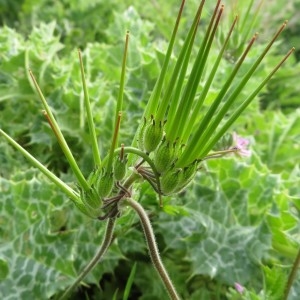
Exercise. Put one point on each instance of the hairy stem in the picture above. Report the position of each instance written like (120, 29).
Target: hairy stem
(153, 250)
(105, 244)
(292, 276)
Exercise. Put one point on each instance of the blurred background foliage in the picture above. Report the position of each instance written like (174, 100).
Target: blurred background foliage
(237, 216)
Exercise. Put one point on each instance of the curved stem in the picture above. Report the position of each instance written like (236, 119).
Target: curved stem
(105, 244)
(153, 250)
(292, 276)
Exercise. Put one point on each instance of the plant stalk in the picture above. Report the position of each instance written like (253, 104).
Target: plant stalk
(57, 181)
(60, 138)
(104, 246)
(153, 250)
(92, 130)
(292, 276)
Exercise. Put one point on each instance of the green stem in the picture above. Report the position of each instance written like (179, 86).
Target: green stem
(59, 183)
(113, 144)
(292, 276)
(188, 96)
(240, 109)
(104, 246)
(247, 27)
(122, 80)
(60, 138)
(118, 108)
(204, 92)
(200, 136)
(218, 154)
(130, 180)
(155, 95)
(96, 153)
(153, 250)
(223, 111)
(171, 96)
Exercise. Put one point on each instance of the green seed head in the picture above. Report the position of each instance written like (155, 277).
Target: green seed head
(105, 184)
(87, 210)
(141, 135)
(186, 176)
(169, 181)
(120, 168)
(92, 178)
(153, 135)
(91, 202)
(164, 156)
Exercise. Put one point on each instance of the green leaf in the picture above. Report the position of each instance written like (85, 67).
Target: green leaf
(129, 282)
(275, 281)
(226, 235)
(4, 269)
(40, 260)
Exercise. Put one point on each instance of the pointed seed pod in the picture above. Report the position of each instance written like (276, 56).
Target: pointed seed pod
(91, 203)
(86, 210)
(105, 184)
(164, 156)
(187, 175)
(92, 178)
(141, 135)
(169, 181)
(153, 135)
(120, 168)
(93, 198)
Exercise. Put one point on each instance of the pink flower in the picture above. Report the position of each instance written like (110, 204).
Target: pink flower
(239, 287)
(240, 145)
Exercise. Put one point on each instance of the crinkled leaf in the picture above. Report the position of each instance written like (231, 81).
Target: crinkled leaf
(40, 258)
